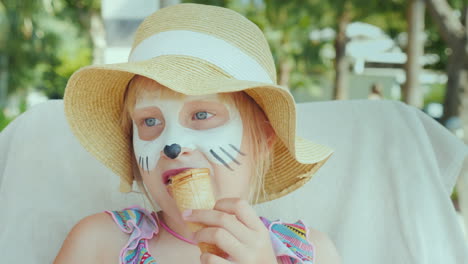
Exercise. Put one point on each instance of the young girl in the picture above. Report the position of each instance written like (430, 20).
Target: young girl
(199, 91)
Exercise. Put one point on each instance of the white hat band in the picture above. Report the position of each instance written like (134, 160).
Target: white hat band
(206, 47)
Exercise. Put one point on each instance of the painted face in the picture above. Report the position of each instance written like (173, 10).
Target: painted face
(174, 132)
(204, 123)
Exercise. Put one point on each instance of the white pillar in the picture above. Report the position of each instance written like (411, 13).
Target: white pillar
(121, 19)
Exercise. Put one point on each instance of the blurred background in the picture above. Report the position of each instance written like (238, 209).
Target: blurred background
(415, 51)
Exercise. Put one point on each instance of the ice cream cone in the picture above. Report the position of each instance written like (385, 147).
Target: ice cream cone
(192, 189)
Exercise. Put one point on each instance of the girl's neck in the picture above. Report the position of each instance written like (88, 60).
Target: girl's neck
(174, 228)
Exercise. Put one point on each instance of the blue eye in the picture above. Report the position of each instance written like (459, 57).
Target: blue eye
(202, 115)
(152, 122)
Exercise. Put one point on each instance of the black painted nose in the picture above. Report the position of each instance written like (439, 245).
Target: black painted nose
(172, 151)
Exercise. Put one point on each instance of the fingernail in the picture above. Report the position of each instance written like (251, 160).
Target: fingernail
(187, 213)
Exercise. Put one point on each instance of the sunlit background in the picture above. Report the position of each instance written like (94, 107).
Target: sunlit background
(415, 51)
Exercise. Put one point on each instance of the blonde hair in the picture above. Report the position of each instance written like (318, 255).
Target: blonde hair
(253, 117)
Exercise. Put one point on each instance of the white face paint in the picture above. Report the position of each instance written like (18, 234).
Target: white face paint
(220, 144)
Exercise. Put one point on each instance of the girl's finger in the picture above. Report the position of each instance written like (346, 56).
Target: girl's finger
(224, 220)
(242, 210)
(221, 238)
(207, 258)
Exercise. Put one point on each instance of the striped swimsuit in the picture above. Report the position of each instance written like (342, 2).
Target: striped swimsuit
(289, 241)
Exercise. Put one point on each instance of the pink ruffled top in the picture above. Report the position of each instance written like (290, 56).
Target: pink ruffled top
(290, 241)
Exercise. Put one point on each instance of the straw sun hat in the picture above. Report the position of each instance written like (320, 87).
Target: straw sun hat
(195, 50)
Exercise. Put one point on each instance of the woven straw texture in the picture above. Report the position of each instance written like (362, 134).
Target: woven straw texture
(94, 96)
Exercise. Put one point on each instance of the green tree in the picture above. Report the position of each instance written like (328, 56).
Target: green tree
(23, 45)
(47, 41)
(454, 32)
(86, 16)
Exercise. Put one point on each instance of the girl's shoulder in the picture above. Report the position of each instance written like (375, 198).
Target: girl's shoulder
(94, 239)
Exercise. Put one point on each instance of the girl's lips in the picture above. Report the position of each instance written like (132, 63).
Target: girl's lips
(169, 173)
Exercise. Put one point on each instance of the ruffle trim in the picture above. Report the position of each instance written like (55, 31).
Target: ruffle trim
(141, 226)
(290, 241)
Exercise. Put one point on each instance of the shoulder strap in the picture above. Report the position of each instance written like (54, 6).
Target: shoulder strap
(122, 218)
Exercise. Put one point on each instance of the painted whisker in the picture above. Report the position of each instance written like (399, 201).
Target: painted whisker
(147, 166)
(229, 155)
(234, 148)
(220, 159)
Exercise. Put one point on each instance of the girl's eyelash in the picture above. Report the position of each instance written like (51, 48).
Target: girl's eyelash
(209, 115)
(143, 121)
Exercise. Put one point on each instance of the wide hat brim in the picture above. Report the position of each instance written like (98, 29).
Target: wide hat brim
(94, 99)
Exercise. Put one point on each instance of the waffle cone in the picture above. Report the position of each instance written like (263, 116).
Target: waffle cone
(213, 249)
(192, 189)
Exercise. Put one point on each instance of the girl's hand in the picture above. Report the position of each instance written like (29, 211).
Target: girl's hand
(236, 229)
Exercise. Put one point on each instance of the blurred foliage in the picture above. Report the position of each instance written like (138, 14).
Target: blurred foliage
(47, 42)
(4, 121)
(434, 42)
(436, 94)
(44, 42)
